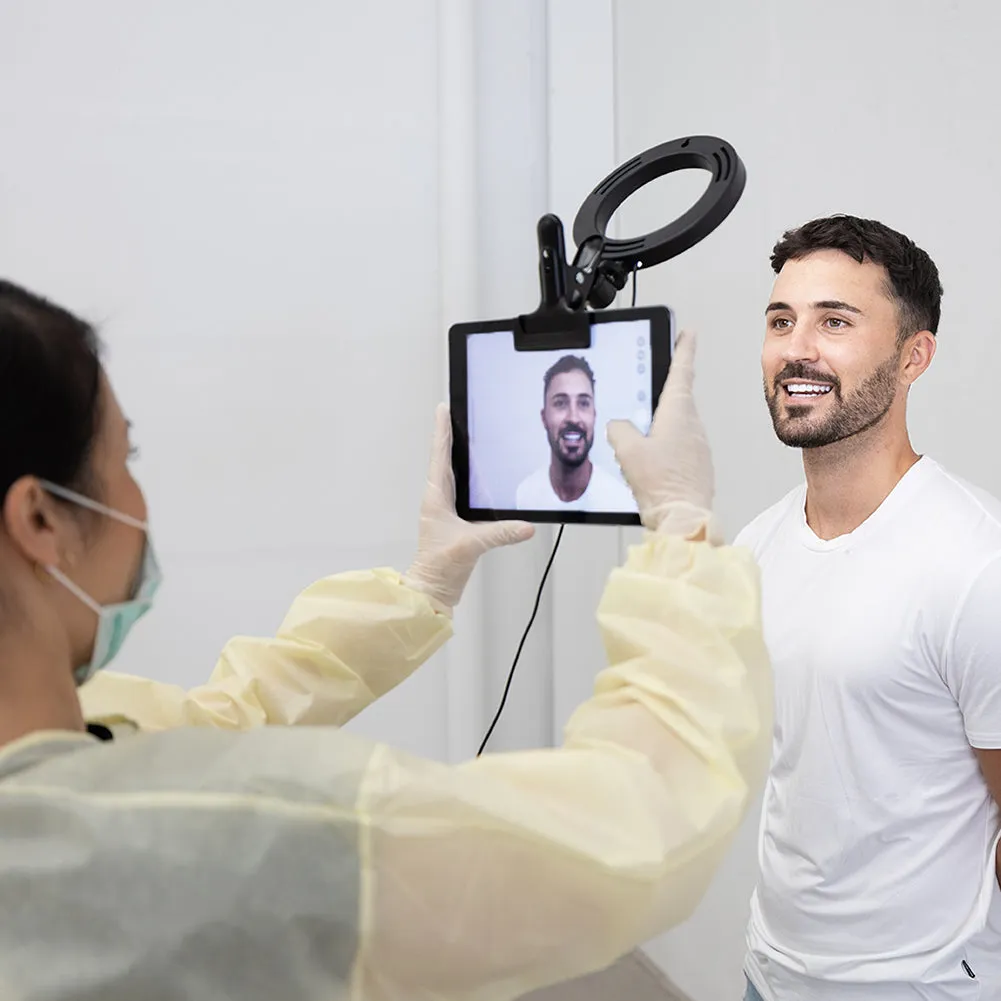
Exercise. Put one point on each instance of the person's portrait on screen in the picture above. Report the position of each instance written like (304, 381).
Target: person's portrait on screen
(570, 479)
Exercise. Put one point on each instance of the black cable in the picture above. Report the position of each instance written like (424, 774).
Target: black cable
(524, 636)
(535, 610)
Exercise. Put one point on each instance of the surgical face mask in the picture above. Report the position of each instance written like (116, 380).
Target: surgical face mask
(113, 621)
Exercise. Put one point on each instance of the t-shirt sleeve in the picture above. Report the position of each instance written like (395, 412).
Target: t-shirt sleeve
(747, 537)
(973, 658)
(751, 535)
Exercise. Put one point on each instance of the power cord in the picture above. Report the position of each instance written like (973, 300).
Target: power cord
(524, 636)
(634, 284)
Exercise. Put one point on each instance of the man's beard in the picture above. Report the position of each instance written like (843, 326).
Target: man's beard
(848, 416)
(578, 459)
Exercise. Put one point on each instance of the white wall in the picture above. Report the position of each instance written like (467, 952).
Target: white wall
(229, 192)
(274, 212)
(885, 109)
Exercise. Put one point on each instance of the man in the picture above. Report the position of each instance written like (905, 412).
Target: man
(571, 480)
(881, 581)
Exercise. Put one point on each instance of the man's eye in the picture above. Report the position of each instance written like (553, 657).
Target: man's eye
(781, 323)
(836, 322)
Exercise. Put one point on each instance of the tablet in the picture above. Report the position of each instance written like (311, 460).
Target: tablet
(529, 425)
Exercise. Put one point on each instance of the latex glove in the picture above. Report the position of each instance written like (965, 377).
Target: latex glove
(447, 546)
(670, 470)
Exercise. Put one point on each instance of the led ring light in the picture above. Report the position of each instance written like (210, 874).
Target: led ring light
(602, 266)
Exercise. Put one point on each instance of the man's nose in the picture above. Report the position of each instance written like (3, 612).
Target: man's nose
(801, 344)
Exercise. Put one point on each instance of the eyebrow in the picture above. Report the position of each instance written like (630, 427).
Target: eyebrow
(845, 307)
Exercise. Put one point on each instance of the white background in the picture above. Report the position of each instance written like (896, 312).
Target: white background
(276, 209)
(504, 390)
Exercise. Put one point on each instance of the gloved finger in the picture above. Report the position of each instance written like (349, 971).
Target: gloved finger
(504, 533)
(679, 377)
(440, 468)
(620, 434)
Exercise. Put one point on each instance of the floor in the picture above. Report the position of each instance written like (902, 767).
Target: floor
(633, 978)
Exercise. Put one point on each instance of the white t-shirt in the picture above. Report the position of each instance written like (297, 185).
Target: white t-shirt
(604, 493)
(878, 835)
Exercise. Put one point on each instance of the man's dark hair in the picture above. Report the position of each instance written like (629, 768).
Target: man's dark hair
(568, 363)
(912, 278)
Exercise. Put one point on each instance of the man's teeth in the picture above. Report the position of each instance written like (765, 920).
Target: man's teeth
(807, 389)
(571, 436)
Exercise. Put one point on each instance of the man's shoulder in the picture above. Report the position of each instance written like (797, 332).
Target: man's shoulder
(756, 533)
(959, 512)
(958, 491)
(605, 481)
(537, 476)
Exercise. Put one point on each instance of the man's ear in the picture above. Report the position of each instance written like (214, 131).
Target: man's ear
(31, 518)
(917, 355)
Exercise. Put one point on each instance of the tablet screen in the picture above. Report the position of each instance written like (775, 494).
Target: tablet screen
(535, 420)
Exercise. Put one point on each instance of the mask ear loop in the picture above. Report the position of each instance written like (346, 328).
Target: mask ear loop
(74, 589)
(93, 505)
(86, 502)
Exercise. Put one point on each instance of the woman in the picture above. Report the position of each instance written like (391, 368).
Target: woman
(305, 862)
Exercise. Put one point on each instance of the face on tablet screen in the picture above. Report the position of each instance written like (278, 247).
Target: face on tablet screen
(536, 419)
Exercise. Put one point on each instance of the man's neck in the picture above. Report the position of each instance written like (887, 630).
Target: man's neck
(847, 481)
(569, 482)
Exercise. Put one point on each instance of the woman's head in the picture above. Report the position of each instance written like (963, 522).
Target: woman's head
(62, 426)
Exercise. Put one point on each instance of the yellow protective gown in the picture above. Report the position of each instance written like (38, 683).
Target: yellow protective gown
(346, 641)
(304, 862)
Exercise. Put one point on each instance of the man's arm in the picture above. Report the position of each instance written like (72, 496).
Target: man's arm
(973, 652)
(990, 765)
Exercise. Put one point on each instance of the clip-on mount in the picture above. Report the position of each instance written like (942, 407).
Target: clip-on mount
(601, 266)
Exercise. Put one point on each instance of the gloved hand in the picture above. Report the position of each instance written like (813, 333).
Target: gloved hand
(670, 470)
(447, 546)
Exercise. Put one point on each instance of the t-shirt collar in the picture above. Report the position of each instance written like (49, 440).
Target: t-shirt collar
(898, 496)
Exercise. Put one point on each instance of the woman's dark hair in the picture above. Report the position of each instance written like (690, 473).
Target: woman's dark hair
(912, 278)
(50, 382)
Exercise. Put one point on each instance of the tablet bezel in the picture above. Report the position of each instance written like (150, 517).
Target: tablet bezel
(661, 343)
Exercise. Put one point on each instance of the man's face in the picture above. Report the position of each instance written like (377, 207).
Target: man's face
(569, 417)
(831, 362)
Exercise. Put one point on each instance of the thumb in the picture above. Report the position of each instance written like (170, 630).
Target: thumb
(679, 380)
(683, 357)
(440, 465)
(620, 434)
(504, 533)
(682, 369)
